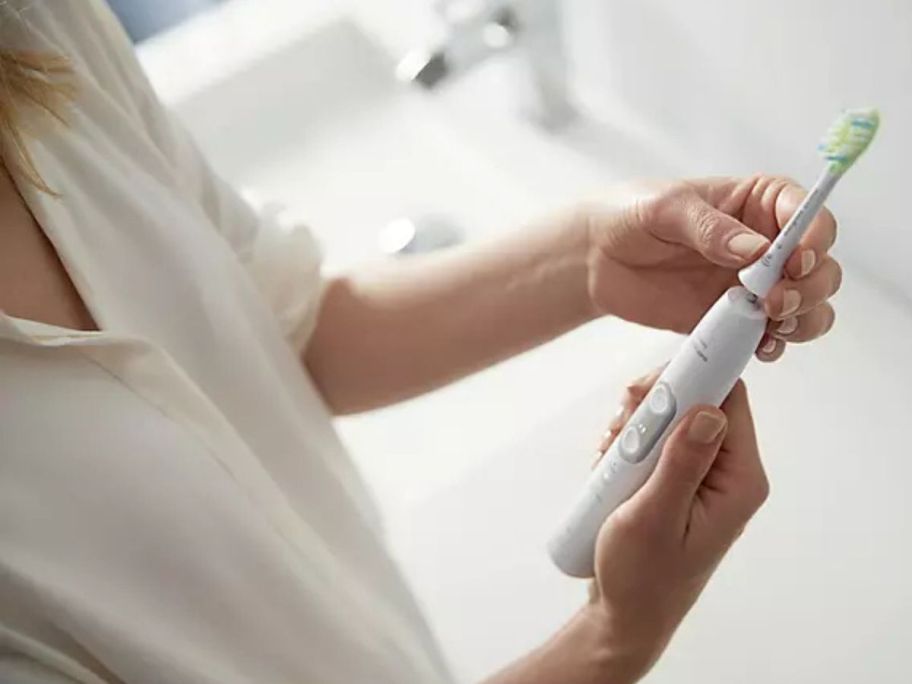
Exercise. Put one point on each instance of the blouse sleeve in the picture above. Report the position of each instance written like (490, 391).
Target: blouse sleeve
(279, 253)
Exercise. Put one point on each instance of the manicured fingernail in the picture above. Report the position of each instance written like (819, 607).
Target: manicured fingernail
(747, 245)
(808, 259)
(705, 428)
(788, 326)
(598, 457)
(769, 347)
(791, 300)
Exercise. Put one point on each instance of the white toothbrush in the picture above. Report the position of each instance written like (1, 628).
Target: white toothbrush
(707, 365)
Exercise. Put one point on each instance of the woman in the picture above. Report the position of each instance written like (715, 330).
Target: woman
(174, 504)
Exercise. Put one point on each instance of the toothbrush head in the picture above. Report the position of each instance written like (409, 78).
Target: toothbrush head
(848, 137)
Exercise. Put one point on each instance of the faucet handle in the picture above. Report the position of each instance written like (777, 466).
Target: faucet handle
(478, 29)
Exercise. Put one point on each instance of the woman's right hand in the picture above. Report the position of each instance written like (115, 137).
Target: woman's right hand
(657, 551)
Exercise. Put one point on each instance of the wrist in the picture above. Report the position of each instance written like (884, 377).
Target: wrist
(580, 249)
(591, 223)
(583, 652)
(616, 657)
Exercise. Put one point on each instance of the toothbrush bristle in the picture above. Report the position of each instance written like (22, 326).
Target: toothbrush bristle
(848, 137)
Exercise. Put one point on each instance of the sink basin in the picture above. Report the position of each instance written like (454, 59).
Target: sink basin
(350, 148)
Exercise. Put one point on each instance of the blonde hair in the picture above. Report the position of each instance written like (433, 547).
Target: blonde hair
(30, 82)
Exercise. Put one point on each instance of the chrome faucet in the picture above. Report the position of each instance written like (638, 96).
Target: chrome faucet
(476, 30)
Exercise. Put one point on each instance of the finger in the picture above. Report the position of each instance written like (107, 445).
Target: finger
(594, 592)
(614, 429)
(718, 237)
(739, 458)
(790, 298)
(636, 390)
(815, 323)
(686, 458)
(633, 396)
(817, 241)
(801, 263)
(740, 418)
(770, 349)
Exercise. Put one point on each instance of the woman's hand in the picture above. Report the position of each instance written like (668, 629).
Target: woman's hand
(658, 254)
(656, 552)
(663, 252)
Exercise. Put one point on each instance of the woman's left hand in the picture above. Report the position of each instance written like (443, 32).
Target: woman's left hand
(666, 251)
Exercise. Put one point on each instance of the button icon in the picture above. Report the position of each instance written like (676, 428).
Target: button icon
(660, 400)
(630, 444)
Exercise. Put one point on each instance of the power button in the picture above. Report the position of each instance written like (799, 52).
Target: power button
(660, 401)
(630, 443)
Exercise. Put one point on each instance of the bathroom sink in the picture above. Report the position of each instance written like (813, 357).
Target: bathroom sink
(349, 148)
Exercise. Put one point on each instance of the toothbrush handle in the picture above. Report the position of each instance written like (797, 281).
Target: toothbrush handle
(703, 372)
(762, 275)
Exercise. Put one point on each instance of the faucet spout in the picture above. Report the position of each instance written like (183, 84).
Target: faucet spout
(531, 30)
(428, 69)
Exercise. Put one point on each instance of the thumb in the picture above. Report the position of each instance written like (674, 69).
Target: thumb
(721, 238)
(686, 458)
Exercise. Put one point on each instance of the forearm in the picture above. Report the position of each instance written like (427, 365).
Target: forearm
(403, 328)
(581, 653)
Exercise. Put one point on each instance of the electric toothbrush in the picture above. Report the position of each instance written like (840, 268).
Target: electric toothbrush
(708, 364)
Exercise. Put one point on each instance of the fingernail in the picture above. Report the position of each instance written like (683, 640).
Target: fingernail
(769, 347)
(618, 421)
(791, 300)
(831, 323)
(808, 259)
(788, 326)
(746, 245)
(705, 428)
(598, 457)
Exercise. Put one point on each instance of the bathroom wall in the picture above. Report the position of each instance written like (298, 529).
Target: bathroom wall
(738, 87)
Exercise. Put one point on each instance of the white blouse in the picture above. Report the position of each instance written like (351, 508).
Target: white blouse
(174, 503)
